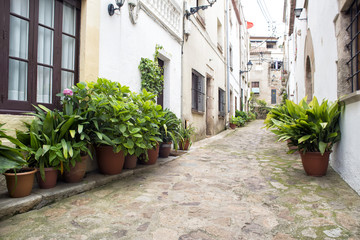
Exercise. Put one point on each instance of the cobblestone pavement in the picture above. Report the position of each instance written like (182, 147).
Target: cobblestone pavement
(237, 185)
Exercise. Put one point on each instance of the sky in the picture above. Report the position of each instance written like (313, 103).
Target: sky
(253, 13)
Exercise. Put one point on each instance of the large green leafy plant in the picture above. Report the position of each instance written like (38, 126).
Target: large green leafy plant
(310, 127)
(10, 157)
(49, 140)
(152, 79)
(127, 121)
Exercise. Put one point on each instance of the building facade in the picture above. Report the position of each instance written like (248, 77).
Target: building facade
(266, 54)
(211, 65)
(322, 54)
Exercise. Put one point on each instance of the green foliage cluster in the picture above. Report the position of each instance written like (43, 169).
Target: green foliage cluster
(51, 139)
(186, 133)
(238, 121)
(169, 128)
(10, 157)
(309, 127)
(100, 113)
(152, 78)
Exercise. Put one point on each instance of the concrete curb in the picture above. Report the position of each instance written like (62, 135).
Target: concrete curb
(43, 197)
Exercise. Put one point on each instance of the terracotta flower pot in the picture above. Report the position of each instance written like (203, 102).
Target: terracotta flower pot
(77, 172)
(184, 145)
(152, 154)
(314, 163)
(25, 182)
(165, 149)
(51, 175)
(109, 163)
(130, 161)
(232, 125)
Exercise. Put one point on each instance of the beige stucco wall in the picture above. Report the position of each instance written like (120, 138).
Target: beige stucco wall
(89, 40)
(201, 54)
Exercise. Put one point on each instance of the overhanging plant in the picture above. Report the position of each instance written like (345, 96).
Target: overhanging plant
(152, 79)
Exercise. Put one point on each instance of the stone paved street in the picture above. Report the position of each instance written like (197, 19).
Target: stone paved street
(240, 184)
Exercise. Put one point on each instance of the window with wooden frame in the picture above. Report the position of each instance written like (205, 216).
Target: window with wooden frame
(354, 45)
(222, 103)
(39, 52)
(198, 92)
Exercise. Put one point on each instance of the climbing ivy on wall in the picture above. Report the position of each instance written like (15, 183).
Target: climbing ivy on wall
(152, 78)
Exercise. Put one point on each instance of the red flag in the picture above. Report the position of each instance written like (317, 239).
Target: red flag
(249, 25)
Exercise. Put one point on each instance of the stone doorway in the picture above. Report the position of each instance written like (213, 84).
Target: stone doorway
(209, 106)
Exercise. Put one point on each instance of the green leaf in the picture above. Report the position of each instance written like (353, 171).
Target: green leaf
(65, 148)
(80, 128)
(72, 133)
(122, 128)
(322, 147)
(304, 138)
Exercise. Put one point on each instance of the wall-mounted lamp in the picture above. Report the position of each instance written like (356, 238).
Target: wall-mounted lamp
(111, 8)
(297, 12)
(194, 10)
(249, 66)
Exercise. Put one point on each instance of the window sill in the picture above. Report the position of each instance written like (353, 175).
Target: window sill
(197, 112)
(351, 98)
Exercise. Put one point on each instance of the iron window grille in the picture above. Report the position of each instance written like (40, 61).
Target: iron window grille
(222, 103)
(198, 92)
(353, 45)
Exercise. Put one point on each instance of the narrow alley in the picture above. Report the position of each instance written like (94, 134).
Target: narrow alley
(240, 184)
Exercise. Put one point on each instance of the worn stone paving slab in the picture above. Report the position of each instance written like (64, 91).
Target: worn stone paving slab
(239, 185)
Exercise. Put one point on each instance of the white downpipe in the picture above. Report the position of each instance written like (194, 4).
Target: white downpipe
(227, 56)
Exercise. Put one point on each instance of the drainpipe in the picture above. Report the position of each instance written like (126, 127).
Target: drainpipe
(240, 57)
(227, 55)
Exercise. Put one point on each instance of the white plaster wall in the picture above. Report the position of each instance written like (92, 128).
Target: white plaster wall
(299, 66)
(234, 39)
(321, 14)
(346, 156)
(122, 44)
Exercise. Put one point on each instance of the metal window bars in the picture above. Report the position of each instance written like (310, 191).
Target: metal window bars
(354, 44)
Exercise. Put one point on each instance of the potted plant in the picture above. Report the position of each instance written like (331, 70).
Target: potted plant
(185, 136)
(109, 103)
(312, 128)
(19, 178)
(233, 121)
(169, 129)
(46, 145)
(75, 105)
(149, 122)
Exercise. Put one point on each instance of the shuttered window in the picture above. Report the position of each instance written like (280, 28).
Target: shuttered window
(198, 92)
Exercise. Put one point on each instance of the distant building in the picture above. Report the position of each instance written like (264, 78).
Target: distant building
(266, 54)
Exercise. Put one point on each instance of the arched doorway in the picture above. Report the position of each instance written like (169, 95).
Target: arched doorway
(309, 67)
(308, 80)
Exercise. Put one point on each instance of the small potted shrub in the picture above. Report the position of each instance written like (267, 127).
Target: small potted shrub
(185, 136)
(233, 122)
(169, 129)
(75, 105)
(151, 115)
(109, 103)
(312, 129)
(19, 178)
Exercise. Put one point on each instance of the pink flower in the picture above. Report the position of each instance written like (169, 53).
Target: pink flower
(68, 92)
